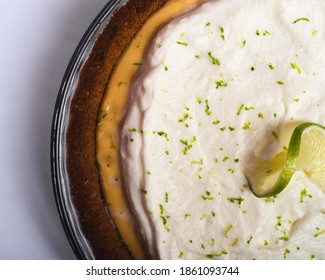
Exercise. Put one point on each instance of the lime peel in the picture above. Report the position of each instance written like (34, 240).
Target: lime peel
(306, 152)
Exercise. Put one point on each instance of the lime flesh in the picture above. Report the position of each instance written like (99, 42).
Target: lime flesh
(306, 152)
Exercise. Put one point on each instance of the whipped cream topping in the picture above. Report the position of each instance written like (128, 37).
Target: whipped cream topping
(220, 84)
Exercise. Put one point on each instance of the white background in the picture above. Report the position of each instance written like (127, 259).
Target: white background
(37, 40)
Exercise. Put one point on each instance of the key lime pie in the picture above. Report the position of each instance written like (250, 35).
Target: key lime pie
(205, 90)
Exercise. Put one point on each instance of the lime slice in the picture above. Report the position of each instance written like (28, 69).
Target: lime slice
(306, 152)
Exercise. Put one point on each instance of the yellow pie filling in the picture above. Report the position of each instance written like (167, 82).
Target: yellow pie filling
(111, 114)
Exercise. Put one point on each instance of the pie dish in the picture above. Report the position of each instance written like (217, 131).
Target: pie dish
(185, 193)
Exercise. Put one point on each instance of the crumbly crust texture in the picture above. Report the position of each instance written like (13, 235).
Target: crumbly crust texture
(81, 136)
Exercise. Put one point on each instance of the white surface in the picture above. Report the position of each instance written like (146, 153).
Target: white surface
(37, 41)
